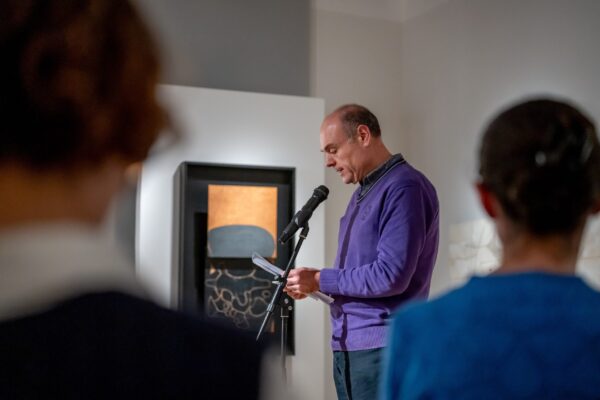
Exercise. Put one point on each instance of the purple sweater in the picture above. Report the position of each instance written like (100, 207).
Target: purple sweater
(387, 247)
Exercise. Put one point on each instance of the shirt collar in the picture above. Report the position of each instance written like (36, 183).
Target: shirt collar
(373, 177)
(41, 266)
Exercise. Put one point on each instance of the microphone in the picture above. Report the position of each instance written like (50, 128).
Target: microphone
(302, 216)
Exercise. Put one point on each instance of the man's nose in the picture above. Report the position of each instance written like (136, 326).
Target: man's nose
(329, 161)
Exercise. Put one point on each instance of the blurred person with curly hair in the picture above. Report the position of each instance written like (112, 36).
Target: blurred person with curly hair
(77, 107)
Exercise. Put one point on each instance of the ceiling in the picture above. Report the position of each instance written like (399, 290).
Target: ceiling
(393, 10)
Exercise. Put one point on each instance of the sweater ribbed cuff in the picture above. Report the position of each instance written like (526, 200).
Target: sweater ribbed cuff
(328, 281)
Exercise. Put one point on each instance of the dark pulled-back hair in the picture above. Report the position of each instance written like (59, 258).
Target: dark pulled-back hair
(541, 159)
(78, 80)
(353, 115)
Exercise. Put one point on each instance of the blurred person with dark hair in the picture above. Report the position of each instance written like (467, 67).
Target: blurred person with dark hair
(78, 106)
(387, 247)
(532, 328)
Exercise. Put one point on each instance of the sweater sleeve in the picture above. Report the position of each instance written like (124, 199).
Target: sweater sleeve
(402, 235)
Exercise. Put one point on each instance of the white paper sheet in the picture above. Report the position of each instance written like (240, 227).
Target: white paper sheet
(259, 261)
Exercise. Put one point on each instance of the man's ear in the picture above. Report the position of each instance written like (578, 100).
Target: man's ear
(363, 134)
(487, 199)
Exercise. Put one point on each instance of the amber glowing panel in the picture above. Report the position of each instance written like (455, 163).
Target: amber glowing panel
(244, 206)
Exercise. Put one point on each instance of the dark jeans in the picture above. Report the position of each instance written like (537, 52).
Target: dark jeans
(356, 374)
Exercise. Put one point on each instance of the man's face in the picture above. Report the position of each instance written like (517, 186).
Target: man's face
(341, 153)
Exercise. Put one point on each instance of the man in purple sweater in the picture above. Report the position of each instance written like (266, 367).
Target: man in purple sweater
(387, 247)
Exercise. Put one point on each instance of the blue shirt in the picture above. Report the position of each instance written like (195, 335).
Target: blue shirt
(387, 248)
(519, 336)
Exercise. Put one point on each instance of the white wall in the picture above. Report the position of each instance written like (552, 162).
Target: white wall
(250, 129)
(463, 60)
(254, 46)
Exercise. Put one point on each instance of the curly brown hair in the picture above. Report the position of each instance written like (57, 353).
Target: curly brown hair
(78, 81)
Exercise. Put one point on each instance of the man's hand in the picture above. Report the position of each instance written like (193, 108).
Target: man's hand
(295, 295)
(302, 281)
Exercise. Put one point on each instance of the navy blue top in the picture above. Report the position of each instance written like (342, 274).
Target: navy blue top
(111, 345)
(518, 336)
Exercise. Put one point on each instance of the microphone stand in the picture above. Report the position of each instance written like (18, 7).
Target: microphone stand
(285, 304)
